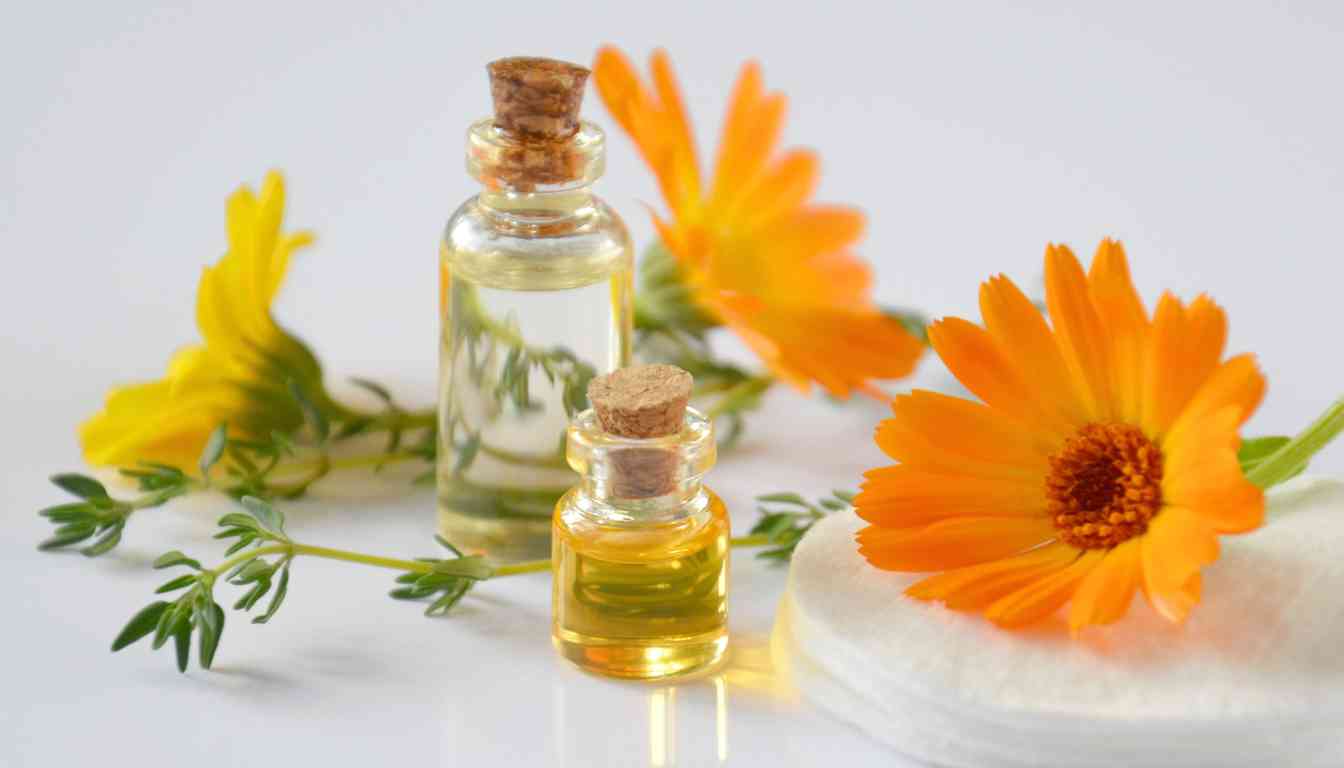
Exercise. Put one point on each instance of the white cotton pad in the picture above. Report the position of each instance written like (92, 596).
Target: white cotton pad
(1254, 678)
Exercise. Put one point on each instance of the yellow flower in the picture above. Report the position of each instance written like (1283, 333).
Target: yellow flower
(240, 375)
(1101, 461)
(756, 254)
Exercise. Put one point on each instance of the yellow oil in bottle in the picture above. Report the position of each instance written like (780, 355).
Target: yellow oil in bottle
(639, 598)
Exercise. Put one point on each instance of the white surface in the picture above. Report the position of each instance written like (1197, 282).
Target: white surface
(1205, 136)
(1254, 677)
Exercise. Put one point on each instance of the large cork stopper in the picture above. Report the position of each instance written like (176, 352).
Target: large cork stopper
(644, 401)
(536, 98)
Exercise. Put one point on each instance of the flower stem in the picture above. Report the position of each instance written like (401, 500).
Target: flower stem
(1286, 461)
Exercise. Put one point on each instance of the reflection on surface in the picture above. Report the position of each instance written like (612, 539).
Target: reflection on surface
(596, 720)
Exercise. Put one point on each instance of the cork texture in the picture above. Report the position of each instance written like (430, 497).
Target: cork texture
(537, 98)
(641, 401)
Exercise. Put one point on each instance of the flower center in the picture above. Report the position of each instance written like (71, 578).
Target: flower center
(1104, 486)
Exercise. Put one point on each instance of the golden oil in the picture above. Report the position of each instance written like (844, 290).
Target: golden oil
(640, 585)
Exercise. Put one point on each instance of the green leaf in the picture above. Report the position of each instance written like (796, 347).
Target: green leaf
(1257, 449)
(170, 559)
(473, 567)
(106, 542)
(466, 453)
(66, 513)
(212, 629)
(68, 534)
(173, 585)
(373, 388)
(253, 570)
(214, 448)
(311, 413)
(279, 597)
(182, 641)
(272, 518)
(83, 486)
(783, 498)
(141, 624)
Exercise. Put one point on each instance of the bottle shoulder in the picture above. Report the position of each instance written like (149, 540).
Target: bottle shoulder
(510, 249)
(583, 527)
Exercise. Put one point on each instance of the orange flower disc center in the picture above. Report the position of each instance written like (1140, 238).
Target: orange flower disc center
(1104, 486)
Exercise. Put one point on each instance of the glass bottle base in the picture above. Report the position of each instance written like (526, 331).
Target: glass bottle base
(501, 540)
(643, 660)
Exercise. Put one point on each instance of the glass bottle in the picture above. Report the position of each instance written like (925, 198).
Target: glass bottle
(639, 585)
(535, 296)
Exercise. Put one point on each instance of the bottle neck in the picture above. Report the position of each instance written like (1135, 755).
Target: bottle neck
(539, 204)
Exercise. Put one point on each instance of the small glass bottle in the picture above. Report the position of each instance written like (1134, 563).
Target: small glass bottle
(535, 296)
(640, 549)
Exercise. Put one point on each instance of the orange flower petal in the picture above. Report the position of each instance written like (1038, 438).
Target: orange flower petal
(837, 348)
(751, 130)
(1178, 543)
(934, 431)
(785, 186)
(1038, 600)
(905, 496)
(1202, 473)
(1237, 382)
(1082, 339)
(1124, 318)
(951, 543)
(976, 360)
(1023, 338)
(975, 587)
(1184, 351)
(1104, 595)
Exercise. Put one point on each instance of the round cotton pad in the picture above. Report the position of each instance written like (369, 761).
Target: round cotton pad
(1254, 678)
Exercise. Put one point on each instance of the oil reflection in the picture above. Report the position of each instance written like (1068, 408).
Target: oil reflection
(685, 723)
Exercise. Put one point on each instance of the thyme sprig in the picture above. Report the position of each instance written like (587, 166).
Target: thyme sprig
(258, 558)
(785, 518)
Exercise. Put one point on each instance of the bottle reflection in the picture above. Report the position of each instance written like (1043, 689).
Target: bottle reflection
(684, 724)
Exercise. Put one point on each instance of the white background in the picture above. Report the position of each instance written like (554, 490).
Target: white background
(1208, 137)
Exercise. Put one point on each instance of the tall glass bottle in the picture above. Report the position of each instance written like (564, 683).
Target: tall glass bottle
(535, 296)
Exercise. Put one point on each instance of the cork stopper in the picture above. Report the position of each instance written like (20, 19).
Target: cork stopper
(536, 98)
(644, 401)
(641, 401)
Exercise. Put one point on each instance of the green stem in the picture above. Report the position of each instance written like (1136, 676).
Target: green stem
(527, 566)
(1283, 463)
(358, 557)
(753, 540)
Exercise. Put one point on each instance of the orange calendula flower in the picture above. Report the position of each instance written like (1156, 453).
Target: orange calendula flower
(755, 253)
(1102, 459)
(240, 374)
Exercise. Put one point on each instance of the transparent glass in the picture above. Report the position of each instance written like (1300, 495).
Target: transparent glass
(535, 297)
(640, 585)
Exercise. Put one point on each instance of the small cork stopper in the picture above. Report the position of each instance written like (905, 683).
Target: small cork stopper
(536, 98)
(643, 401)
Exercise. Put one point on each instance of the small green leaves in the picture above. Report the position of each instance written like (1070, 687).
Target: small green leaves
(170, 559)
(210, 623)
(312, 415)
(83, 486)
(449, 579)
(278, 598)
(270, 517)
(214, 449)
(1256, 451)
(784, 524)
(140, 625)
(102, 519)
(373, 388)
